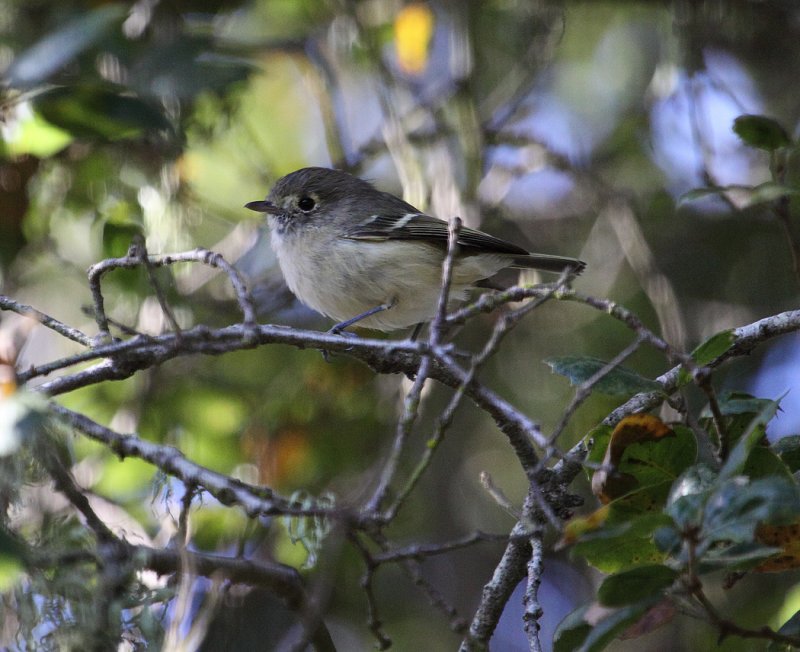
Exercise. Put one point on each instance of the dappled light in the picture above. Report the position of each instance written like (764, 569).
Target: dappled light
(593, 442)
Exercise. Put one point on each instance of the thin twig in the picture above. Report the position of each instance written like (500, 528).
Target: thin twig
(412, 569)
(254, 500)
(512, 566)
(726, 627)
(498, 496)
(439, 325)
(133, 260)
(284, 580)
(699, 374)
(412, 400)
(584, 390)
(443, 422)
(745, 339)
(66, 484)
(502, 327)
(781, 209)
(402, 433)
(491, 301)
(6, 303)
(387, 356)
(420, 551)
(139, 250)
(373, 619)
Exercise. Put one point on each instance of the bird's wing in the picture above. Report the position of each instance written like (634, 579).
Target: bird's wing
(418, 226)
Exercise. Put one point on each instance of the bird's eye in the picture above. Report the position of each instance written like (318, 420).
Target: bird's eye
(306, 204)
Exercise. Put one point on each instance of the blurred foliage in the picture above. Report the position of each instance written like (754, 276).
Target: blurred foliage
(547, 122)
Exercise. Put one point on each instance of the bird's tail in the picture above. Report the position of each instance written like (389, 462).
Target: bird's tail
(549, 263)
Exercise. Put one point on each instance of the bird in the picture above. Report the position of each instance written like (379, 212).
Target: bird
(365, 257)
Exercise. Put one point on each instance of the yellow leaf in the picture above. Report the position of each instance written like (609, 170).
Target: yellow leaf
(786, 537)
(413, 29)
(580, 525)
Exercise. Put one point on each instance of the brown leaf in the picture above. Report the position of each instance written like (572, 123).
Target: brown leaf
(786, 537)
(608, 482)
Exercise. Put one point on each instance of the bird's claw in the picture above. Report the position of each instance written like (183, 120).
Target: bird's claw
(338, 331)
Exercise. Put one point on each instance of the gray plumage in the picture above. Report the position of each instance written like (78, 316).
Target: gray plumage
(345, 248)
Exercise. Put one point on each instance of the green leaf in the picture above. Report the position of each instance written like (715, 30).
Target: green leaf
(186, 67)
(46, 57)
(773, 500)
(761, 132)
(763, 463)
(34, 135)
(734, 402)
(589, 630)
(749, 440)
(625, 542)
(788, 449)
(620, 381)
(701, 193)
(733, 511)
(643, 462)
(770, 191)
(99, 112)
(739, 410)
(668, 540)
(649, 498)
(687, 511)
(571, 631)
(713, 347)
(688, 494)
(613, 625)
(708, 351)
(743, 196)
(636, 584)
(655, 462)
(725, 515)
(598, 437)
(738, 556)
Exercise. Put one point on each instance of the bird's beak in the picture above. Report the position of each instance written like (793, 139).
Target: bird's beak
(263, 206)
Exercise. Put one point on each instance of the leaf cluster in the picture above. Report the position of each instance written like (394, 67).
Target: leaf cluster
(672, 519)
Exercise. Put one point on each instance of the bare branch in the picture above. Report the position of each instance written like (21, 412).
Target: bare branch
(373, 619)
(547, 499)
(507, 574)
(745, 339)
(134, 259)
(533, 608)
(420, 551)
(439, 324)
(254, 500)
(512, 566)
(403, 432)
(412, 399)
(6, 303)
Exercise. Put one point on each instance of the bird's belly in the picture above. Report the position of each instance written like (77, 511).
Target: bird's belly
(356, 276)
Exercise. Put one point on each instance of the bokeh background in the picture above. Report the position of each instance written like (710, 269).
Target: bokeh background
(574, 128)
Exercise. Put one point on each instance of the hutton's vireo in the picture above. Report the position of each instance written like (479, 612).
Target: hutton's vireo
(357, 254)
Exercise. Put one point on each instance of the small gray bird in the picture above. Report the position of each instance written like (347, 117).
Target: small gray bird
(359, 255)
